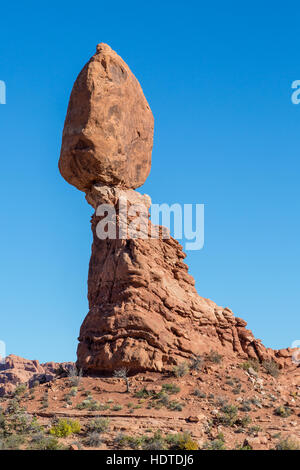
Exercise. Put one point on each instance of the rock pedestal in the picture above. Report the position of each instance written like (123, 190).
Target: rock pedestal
(145, 313)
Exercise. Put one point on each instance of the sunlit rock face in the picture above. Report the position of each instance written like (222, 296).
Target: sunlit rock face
(108, 132)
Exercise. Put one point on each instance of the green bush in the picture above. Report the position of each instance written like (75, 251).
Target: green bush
(253, 363)
(99, 425)
(216, 444)
(283, 411)
(271, 367)
(181, 442)
(197, 363)
(20, 390)
(144, 393)
(170, 388)
(93, 439)
(288, 444)
(45, 443)
(181, 369)
(214, 356)
(65, 427)
(116, 407)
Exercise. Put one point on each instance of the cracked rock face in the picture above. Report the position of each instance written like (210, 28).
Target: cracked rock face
(108, 132)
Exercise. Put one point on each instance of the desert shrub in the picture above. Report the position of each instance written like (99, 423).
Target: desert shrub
(228, 416)
(120, 439)
(156, 442)
(243, 447)
(164, 399)
(93, 439)
(237, 390)
(253, 363)
(197, 363)
(41, 442)
(74, 376)
(214, 356)
(99, 425)
(91, 405)
(65, 427)
(216, 444)
(34, 426)
(116, 407)
(20, 390)
(244, 421)
(221, 401)
(283, 411)
(12, 442)
(230, 382)
(181, 369)
(181, 441)
(68, 399)
(123, 374)
(245, 406)
(18, 422)
(2, 420)
(175, 406)
(199, 394)
(271, 367)
(254, 430)
(170, 388)
(288, 444)
(256, 402)
(144, 393)
(73, 392)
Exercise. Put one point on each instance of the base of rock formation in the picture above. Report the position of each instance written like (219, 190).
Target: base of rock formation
(145, 313)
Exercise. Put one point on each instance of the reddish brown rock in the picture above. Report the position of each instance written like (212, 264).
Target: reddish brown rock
(17, 370)
(145, 313)
(108, 132)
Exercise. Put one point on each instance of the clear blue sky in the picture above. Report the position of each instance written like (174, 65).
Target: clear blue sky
(218, 78)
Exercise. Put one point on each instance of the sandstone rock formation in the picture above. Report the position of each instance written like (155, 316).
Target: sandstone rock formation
(108, 133)
(145, 313)
(16, 370)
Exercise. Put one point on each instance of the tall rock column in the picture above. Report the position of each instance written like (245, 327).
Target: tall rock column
(144, 311)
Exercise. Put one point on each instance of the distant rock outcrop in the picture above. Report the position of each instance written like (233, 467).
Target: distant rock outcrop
(15, 371)
(145, 313)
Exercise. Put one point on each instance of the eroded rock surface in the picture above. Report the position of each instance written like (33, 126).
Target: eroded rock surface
(108, 132)
(145, 313)
(16, 370)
